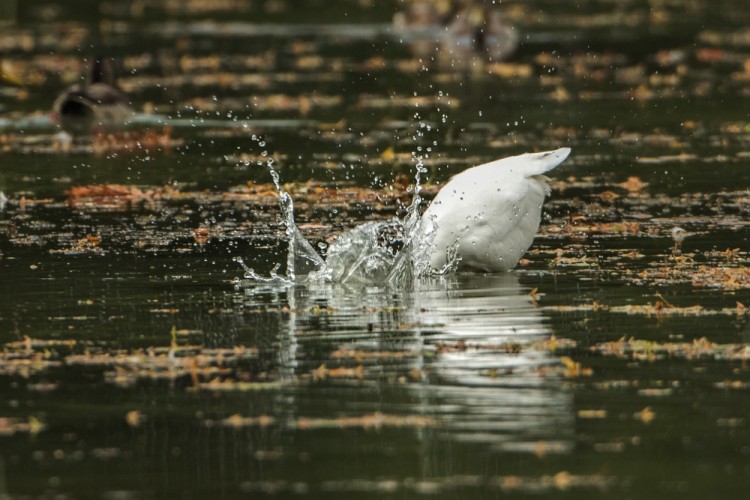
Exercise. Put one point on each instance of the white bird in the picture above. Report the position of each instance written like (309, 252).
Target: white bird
(487, 216)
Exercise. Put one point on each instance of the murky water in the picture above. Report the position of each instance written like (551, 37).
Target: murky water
(609, 363)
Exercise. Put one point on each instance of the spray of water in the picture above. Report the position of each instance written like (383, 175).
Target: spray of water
(393, 252)
(302, 259)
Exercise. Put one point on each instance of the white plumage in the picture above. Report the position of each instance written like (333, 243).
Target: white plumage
(489, 214)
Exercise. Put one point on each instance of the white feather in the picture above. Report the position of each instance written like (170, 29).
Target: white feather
(491, 212)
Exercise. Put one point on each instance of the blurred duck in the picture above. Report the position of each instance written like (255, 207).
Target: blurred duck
(470, 26)
(479, 27)
(426, 14)
(97, 104)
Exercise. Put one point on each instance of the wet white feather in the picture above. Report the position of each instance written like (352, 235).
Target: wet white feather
(491, 212)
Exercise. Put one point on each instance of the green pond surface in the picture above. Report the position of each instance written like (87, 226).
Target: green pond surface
(135, 362)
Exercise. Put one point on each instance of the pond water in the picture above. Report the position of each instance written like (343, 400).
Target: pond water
(138, 362)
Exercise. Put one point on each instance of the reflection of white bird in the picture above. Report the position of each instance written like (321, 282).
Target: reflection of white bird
(488, 215)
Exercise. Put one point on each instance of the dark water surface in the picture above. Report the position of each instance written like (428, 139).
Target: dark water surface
(608, 364)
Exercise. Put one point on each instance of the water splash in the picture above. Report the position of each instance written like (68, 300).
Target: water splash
(273, 279)
(394, 252)
(302, 259)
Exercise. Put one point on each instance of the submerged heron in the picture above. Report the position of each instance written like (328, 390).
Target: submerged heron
(487, 216)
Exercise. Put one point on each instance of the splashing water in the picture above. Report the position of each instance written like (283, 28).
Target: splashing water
(273, 278)
(302, 259)
(393, 252)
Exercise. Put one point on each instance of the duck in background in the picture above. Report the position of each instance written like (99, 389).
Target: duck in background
(96, 105)
(479, 27)
(462, 28)
(424, 14)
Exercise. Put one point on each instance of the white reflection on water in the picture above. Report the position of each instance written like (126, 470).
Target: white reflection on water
(484, 392)
(462, 328)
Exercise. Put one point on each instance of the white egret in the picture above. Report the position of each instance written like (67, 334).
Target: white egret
(487, 216)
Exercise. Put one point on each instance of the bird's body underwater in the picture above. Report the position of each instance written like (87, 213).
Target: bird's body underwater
(487, 216)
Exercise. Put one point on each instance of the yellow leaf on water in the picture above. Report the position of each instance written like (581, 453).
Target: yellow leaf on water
(388, 154)
(35, 426)
(633, 184)
(646, 415)
(592, 414)
(134, 418)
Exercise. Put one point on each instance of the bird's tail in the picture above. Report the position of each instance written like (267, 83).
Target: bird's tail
(539, 163)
